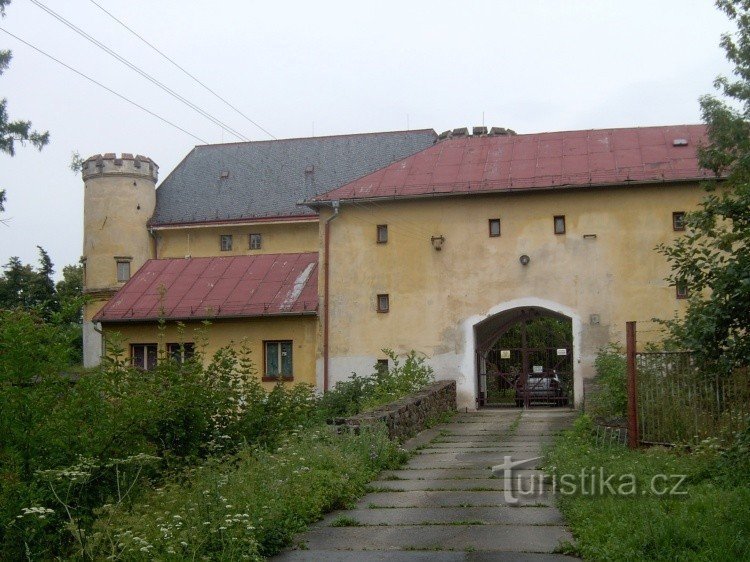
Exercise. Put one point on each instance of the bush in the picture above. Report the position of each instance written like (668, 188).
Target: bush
(610, 401)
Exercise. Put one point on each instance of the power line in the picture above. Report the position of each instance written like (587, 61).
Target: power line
(130, 65)
(152, 46)
(81, 74)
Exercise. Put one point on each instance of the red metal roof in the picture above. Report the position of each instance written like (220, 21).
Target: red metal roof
(221, 287)
(536, 161)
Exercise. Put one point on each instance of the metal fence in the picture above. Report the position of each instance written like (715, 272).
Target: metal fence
(675, 402)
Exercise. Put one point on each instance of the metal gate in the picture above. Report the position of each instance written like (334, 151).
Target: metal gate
(527, 361)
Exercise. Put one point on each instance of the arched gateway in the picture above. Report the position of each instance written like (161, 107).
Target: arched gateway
(526, 353)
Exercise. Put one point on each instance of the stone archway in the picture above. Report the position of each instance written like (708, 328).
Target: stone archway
(478, 329)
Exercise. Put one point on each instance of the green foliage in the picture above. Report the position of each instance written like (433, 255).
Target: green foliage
(249, 506)
(358, 393)
(713, 257)
(709, 522)
(12, 132)
(610, 401)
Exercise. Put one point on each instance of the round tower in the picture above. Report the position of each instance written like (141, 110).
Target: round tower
(119, 199)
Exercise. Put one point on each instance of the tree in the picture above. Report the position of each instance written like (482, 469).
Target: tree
(22, 286)
(19, 131)
(713, 258)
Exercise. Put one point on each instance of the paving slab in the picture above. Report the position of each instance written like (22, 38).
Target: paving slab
(516, 538)
(449, 473)
(473, 484)
(449, 515)
(458, 498)
(416, 556)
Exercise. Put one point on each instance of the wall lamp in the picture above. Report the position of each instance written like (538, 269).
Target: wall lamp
(524, 259)
(437, 242)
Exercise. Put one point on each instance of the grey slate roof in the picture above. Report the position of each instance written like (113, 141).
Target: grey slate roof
(268, 178)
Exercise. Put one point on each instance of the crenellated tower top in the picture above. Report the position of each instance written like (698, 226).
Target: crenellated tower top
(109, 164)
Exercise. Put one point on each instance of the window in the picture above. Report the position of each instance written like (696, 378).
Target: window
(256, 240)
(225, 241)
(681, 289)
(143, 355)
(381, 366)
(384, 304)
(494, 227)
(278, 360)
(560, 224)
(181, 352)
(123, 270)
(678, 220)
(382, 233)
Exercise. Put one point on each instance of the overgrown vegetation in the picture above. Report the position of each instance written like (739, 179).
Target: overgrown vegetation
(708, 522)
(88, 466)
(358, 394)
(610, 401)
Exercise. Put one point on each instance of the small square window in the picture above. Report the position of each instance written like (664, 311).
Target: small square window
(143, 355)
(381, 366)
(181, 352)
(494, 227)
(256, 241)
(384, 304)
(382, 233)
(560, 224)
(681, 290)
(278, 360)
(225, 241)
(678, 220)
(123, 271)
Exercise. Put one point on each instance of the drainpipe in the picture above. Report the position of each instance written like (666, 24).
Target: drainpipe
(326, 290)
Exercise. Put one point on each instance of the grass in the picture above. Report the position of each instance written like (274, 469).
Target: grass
(709, 522)
(345, 521)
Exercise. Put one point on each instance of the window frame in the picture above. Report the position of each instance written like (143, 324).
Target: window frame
(383, 309)
(222, 238)
(381, 229)
(250, 245)
(491, 222)
(280, 376)
(554, 224)
(186, 351)
(678, 215)
(681, 290)
(122, 261)
(145, 346)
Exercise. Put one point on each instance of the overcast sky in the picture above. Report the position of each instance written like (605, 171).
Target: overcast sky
(332, 68)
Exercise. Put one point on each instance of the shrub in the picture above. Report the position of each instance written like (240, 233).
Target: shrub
(610, 401)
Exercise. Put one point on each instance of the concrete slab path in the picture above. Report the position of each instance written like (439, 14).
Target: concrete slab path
(447, 505)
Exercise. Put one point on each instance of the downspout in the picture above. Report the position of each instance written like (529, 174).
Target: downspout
(326, 290)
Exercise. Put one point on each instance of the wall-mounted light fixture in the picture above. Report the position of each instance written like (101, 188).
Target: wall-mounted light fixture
(524, 259)
(437, 242)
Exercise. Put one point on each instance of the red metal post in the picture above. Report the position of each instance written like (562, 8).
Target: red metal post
(632, 396)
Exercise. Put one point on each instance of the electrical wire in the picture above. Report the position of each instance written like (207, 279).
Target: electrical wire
(133, 67)
(110, 90)
(175, 64)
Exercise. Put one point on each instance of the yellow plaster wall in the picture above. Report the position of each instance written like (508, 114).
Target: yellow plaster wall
(301, 330)
(203, 241)
(436, 296)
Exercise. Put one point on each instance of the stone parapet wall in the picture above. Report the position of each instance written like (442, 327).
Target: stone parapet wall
(409, 415)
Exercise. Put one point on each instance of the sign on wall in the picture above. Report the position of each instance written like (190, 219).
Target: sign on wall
(562, 351)
(505, 354)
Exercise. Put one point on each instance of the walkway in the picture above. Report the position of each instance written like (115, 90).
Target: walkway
(446, 505)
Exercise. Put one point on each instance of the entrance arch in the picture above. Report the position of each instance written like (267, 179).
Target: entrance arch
(514, 375)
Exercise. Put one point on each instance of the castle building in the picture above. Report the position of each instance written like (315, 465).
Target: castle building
(320, 253)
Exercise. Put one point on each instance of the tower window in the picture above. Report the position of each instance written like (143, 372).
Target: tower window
(494, 227)
(560, 224)
(384, 304)
(678, 220)
(382, 233)
(256, 241)
(225, 241)
(123, 271)
(681, 290)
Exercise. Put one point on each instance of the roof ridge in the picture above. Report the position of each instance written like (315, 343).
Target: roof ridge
(341, 135)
